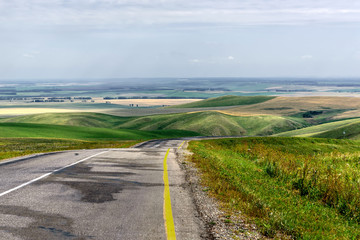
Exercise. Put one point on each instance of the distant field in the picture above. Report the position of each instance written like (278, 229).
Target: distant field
(226, 101)
(300, 187)
(14, 147)
(204, 123)
(31, 130)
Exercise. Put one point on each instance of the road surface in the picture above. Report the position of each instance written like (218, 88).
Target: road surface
(98, 194)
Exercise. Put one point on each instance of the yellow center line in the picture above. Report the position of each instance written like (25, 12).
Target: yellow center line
(181, 145)
(168, 217)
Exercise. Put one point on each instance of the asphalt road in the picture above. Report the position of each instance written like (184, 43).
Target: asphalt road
(98, 194)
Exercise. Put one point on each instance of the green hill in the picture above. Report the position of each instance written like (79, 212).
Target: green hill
(225, 101)
(340, 129)
(31, 130)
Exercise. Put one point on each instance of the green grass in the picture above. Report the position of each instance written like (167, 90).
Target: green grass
(226, 101)
(303, 187)
(15, 147)
(31, 130)
(351, 127)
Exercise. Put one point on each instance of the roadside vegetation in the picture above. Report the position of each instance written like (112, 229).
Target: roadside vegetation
(302, 187)
(15, 147)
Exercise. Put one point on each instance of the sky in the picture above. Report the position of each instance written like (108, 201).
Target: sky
(52, 39)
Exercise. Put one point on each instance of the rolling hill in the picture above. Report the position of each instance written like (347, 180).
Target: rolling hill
(213, 123)
(210, 123)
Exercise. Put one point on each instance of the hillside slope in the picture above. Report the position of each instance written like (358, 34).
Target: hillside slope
(31, 130)
(340, 129)
(84, 119)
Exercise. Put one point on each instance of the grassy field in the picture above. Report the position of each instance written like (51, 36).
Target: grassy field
(31, 130)
(350, 127)
(14, 147)
(226, 101)
(303, 187)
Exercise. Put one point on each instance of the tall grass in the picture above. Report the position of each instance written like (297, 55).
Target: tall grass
(307, 188)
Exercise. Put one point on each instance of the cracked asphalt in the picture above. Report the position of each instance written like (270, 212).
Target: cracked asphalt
(118, 194)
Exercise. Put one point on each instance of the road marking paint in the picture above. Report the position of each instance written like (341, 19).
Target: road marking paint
(181, 144)
(168, 217)
(47, 174)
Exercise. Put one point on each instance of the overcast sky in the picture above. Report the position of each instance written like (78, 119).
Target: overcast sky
(179, 38)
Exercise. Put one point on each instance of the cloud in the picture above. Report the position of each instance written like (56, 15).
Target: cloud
(307, 57)
(194, 13)
(32, 54)
(230, 58)
(194, 60)
(357, 55)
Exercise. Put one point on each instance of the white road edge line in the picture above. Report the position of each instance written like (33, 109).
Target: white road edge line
(47, 174)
